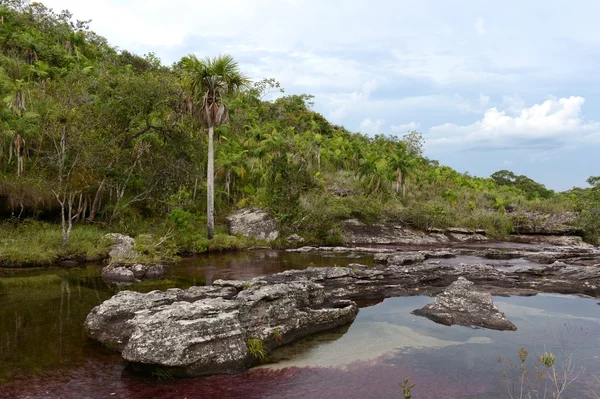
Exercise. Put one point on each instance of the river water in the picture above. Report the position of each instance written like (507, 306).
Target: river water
(44, 352)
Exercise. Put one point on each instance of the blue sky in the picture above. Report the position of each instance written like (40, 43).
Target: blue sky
(491, 85)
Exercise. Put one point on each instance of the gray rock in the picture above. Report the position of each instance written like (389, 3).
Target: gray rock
(406, 258)
(122, 246)
(253, 222)
(459, 230)
(110, 322)
(127, 273)
(295, 238)
(209, 335)
(461, 304)
(365, 250)
(469, 237)
(544, 223)
(356, 232)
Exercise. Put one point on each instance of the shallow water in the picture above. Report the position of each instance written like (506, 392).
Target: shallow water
(45, 354)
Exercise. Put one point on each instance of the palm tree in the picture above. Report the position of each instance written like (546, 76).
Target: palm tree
(209, 80)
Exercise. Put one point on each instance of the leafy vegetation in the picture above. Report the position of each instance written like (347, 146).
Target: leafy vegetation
(37, 243)
(96, 139)
(256, 348)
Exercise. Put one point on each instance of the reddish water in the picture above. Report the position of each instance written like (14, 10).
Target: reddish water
(44, 352)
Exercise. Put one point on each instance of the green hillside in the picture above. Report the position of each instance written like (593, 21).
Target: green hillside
(113, 141)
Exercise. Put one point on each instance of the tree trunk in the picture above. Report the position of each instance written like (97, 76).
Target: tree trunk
(210, 185)
(68, 226)
(96, 202)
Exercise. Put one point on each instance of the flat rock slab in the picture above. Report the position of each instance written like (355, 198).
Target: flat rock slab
(461, 304)
(214, 330)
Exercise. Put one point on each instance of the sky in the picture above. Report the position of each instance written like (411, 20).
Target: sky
(491, 85)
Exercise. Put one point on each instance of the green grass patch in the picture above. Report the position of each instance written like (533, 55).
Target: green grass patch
(32, 243)
(256, 347)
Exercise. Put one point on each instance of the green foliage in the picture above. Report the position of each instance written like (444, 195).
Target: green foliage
(427, 215)
(587, 203)
(406, 388)
(135, 151)
(154, 249)
(162, 374)
(222, 242)
(35, 244)
(530, 188)
(256, 347)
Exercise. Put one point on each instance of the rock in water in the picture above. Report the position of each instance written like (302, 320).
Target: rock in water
(253, 222)
(461, 304)
(123, 267)
(206, 330)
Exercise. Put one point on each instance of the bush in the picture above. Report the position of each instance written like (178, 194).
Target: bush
(428, 215)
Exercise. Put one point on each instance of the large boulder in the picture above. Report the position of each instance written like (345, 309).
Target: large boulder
(122, 246)
(253, 222)
(461, 304)
(218, 329)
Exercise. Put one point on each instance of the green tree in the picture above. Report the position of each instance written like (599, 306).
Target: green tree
(209, 81)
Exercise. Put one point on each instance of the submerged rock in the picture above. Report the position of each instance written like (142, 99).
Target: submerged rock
(114, 273)
(461, 304)
(253, 222)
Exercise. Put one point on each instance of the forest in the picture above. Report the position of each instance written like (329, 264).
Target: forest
(96, 139)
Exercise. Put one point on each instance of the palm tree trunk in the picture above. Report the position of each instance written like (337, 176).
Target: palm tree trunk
(210, 185)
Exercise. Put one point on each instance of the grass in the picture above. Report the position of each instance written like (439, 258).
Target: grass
(32, 243)
(256, 348)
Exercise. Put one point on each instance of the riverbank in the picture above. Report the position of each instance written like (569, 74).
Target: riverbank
(28, 244)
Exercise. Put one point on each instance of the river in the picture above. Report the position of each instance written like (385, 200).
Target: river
(44, 352)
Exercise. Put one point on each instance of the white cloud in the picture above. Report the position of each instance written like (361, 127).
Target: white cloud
(371, 126)
(513, 104)
(483, 100)
(555, 122)
(404, 128)
(342, 104)
(480, 26)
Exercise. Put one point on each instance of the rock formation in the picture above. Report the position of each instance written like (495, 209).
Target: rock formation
(124, 266)
(461, 304)
(253, 222)
(209, 330)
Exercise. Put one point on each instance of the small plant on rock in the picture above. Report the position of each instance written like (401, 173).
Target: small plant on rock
(256, 347)
(406, 388)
